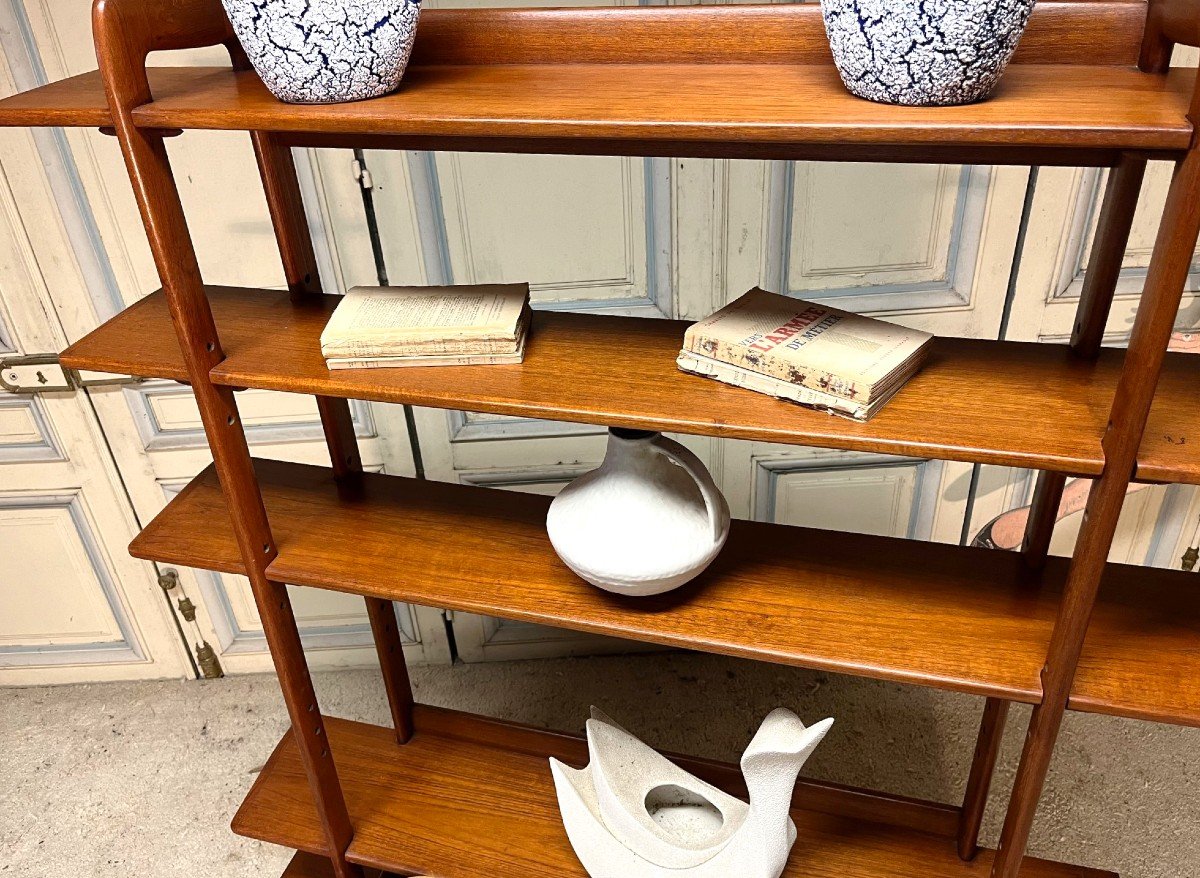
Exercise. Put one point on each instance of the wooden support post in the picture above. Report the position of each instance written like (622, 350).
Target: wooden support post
(278, 171)
(1043, 513)
(1108, 252)
(1156, 316)
(979, 783)
(158, 199)
(125, 33)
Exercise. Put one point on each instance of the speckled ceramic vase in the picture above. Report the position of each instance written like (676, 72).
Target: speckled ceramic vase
(924, 52)
(647, 521)
(326, 51)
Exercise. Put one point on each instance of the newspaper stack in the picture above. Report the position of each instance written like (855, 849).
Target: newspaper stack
(815, 355)
(387, 327)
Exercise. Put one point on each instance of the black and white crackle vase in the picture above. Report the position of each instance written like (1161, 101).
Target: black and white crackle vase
(924, 52)
(326, 51)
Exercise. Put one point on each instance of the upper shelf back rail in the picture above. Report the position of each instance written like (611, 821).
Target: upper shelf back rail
(1106, 32)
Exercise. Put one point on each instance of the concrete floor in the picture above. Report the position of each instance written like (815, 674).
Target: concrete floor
(142, 779)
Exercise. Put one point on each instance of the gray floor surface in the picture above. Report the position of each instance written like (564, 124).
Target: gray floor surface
(142, 778)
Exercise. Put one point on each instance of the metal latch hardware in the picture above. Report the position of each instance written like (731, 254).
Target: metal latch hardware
(42, 373)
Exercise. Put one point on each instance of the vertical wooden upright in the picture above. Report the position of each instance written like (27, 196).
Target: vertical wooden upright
(125, 33)
(277, 169)
(1163, 291)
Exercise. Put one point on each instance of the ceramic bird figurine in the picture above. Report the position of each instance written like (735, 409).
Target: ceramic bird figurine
(631, 813)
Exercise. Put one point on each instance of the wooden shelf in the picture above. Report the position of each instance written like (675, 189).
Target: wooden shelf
(747, 82)
(978, 401)
(473, 798)
(608, 104)
(946, 616)
(734, 81)
(79, 102)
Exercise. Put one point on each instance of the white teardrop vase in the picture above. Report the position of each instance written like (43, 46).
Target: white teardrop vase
(648, 520)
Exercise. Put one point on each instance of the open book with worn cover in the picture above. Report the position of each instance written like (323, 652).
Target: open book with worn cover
(812, 354)
(373, 327)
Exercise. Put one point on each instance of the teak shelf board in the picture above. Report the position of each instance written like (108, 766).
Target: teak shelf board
(930, 614)
(1052, 106)
(1170, 449)
(979, 401)
(80, 101)
(473, 798)
(819, 599)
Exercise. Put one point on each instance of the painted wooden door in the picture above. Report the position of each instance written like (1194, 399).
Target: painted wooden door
(75, 606)
(153, 428)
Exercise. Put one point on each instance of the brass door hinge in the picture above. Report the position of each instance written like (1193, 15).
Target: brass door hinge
(206, 656)
(43, 373)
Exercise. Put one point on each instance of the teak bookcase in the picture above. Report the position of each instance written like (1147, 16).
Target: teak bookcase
(456, 796)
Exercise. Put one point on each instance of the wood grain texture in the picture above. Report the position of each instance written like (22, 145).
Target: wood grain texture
(1043, 515)
(1091, 33)
(473, 798)
(1046, 409)
(78, 102)
(1048, 106)
(277, 169)
(958, 618)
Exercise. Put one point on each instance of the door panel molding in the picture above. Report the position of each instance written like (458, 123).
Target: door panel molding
(123, 646)
(26, 434)
(927, 480)
(430, 197)
(957, 246)
(476, 427)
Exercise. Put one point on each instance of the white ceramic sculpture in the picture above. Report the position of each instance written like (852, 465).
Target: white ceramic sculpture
(647, 521)
(923, 52)
(326, 51)
(634, 814)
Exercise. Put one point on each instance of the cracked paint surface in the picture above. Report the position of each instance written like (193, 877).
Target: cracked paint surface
(326, 51)
(924, 52)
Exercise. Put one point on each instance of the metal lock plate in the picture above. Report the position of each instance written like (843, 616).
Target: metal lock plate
(36, 374)
(42, 373)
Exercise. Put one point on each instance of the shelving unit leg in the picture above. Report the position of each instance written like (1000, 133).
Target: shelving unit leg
(1108, 252)
(983, 767)
(124, 36)
(277, 169)
(1043, 513)
(1163, 291)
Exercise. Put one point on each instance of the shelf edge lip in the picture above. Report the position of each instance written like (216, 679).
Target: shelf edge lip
(1150, 473)
(279, 570)
(1073, 466)
(1104, 707)
(1172, 140)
